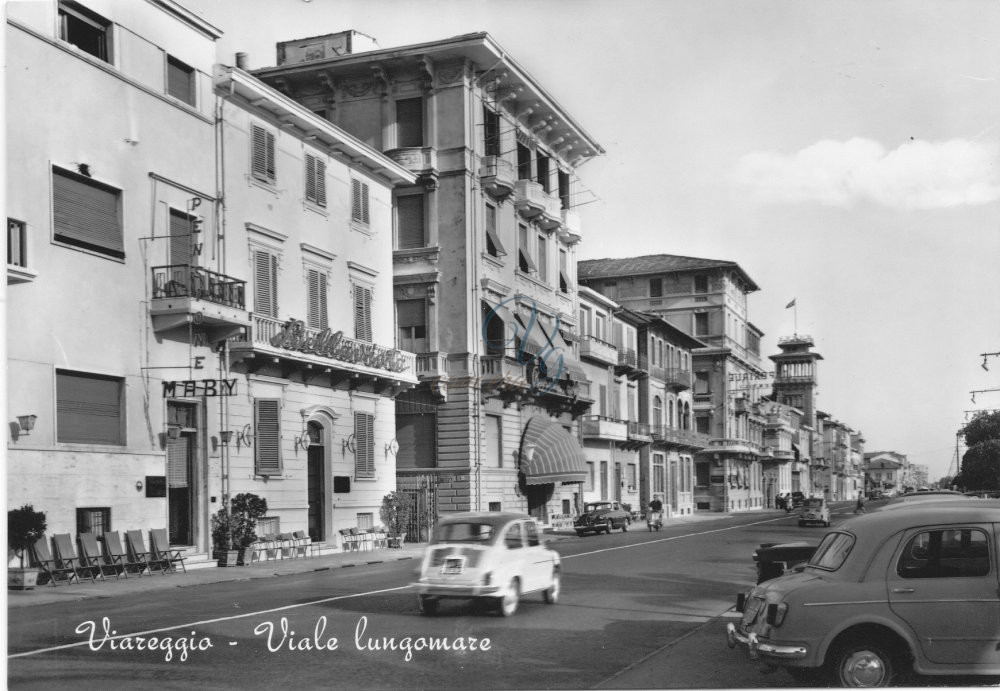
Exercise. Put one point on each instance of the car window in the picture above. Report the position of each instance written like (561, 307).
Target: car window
(531, 532)
(464, 532)
(513, 538)
(814, 502)
(955, 552)
(832, 551)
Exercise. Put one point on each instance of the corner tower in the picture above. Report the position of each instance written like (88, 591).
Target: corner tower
(795, 379)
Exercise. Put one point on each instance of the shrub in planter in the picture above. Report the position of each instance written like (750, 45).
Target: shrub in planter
(395, 514)
(223, 538)
(25, 526)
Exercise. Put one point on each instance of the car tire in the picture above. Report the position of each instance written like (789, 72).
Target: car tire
(429, 605)
(863, 662)
(625, 527)
(551, 594)
(609, 526)
(511, 599)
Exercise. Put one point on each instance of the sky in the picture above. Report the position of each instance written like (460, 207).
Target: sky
(846, 154)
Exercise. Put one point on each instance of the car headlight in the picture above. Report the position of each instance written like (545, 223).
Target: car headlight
(776, 613)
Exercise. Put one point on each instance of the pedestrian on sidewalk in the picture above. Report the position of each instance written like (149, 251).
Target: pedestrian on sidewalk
(860, 506)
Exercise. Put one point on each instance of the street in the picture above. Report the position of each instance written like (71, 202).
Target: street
(630, 601)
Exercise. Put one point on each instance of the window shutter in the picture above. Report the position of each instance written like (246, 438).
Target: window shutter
(88, 409)
(411, 313)
(181, 242)
(86, 213)
(263, 154)
(410, 222)
(494, 246)
(362, 313)
(310, 177)
(359, 201)
(180, 81)
(320, 182)
(267, 436)
(317, 300)
(265, 283)
(364, 445)
(177, 461)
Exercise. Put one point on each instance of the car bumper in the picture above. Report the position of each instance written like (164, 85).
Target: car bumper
(763, 650)
(457, 590)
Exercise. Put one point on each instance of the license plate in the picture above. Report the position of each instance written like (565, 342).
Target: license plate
(453, 566)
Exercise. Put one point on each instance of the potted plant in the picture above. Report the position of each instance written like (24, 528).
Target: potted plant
(247, 509)
(25, 526)
(395, 515)
(226, 552)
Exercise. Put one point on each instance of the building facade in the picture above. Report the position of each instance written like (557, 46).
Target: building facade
(484, 252)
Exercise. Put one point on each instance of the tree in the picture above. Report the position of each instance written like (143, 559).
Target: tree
(983, 427)
(981, 466)
(25, 527)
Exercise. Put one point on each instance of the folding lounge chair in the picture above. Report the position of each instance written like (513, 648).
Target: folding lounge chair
(115, 553)
(159, 545)
(52, 570)
(262, 545)
(138, 552)
(66, 557)
(91, 557)
(301, 543)
(348, 540)
(287, 545)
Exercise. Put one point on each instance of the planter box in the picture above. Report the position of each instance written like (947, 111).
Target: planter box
(229, 557)
(22, 579)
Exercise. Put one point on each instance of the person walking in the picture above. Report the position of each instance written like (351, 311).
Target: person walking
(860, 506)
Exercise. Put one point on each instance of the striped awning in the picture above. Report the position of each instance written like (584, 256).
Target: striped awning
(550, 454)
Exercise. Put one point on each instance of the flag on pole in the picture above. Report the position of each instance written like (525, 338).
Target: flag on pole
(790, 304)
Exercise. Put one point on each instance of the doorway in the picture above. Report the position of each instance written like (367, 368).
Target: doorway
(315, 477)
(181, 417)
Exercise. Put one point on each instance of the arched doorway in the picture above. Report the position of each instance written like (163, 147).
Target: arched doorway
(315, 482)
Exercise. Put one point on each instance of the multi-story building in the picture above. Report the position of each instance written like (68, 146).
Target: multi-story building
(484, 252)
(887, 470)
(112, 140)
(707, 299)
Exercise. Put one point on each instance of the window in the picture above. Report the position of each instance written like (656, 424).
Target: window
(952, 553)
(543, 258)
(495, 506)
(362, 313)
(410, 222)
(17, 243)
(585, 321)
(701, 424)
(611, 289)
(513, 537)
(701, 283)
(180, 80)
(366, 521)
(657, 411)
(364, 445)
(87, 214)
(523, 162)
(96, 520)
(316, 312)
(589, 483)
(494, 442)
(564, 189)
(656, 287)
(84, 29)
(416, 429)
(525, 262)
(531, 533)
(493, 245)
(267, 436)
(182, 238)
(265, 285)
(262, 154)
(563, 271)
(832, 551)
(359, 202)
(659, 474)
(315, 180)
(543, 177)
(411, 320)
(410, 122)
(701, 324)
(630, 475)
(89, 409)
(491, 132)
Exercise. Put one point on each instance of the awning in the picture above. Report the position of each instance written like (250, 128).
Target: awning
(535, 340)
(543, 338)
(571, 367)
(550, 454)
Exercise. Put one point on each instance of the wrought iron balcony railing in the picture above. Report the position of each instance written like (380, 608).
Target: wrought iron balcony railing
(184, 280)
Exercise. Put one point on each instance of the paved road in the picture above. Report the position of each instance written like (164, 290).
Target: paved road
(629, 599)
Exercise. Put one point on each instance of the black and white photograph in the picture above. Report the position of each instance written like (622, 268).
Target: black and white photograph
(502, 344)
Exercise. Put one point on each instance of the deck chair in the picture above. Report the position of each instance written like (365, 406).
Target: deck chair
(286, 545)
(115, 553)
(52, 570)
(159, 546)
(263, 545)
(301, 543)
(90, 555)
(66, 556)
(348, 540)
(138, 553)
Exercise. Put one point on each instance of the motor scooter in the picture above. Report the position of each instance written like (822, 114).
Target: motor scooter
(654, 519)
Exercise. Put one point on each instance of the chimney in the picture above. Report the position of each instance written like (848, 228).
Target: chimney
(322, 47)
(243, 61)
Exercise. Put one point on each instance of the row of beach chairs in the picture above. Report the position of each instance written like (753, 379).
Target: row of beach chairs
(281, 546)
(363, 539)
(65, 564)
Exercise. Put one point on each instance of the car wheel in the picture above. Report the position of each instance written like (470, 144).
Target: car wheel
(551, 594)
(861, 663)
(429, 605)
(609, 526)
(510, 599)
(625, 527)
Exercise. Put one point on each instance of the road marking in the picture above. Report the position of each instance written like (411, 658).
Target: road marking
(207, 621)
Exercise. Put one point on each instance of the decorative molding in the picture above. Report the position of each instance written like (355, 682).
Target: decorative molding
(267, 233)
(359, 268)
(417, 279)
(358, 86)
(451, 74)
(322, 254)
(495, 287)
(411, 256)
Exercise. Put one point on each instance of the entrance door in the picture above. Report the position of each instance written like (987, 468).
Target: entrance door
(538, 497)
(315, 483)
(618, 481)
(179, 500)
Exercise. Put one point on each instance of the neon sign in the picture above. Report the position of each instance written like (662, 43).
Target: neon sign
(335, 345)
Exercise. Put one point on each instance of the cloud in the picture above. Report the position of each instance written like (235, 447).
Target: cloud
(916, 175)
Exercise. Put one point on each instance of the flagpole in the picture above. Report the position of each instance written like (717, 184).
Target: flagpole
(795, 312)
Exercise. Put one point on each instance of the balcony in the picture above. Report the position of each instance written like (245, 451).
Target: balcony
(497, 176)
(630, 363)
(421, 160)
(289, 346)
(502, 373)
(185, 294)
(675, 378)
(570, 231)
(801, 379)
(639, 434)
(679, 437)
(431, 366)
(603, 428)
(594, 348)
(551, 217)
(529, 198)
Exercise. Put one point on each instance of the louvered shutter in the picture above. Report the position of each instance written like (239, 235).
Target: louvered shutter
(181, 242)
(265, 284)
(410, 222)
(310, 177)
(178, 451)
(317, 300)
(364, 445)
(494, 245)
(263, 154)
(88, 409)
(267, 437)
(359, 201)
(320, 182)
(362, 313)
(86, 213)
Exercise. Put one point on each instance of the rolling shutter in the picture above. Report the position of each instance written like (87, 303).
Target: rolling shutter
(86, 213)
(416, 434)
(88, 409)
(267, 436)
(262, 164)
(317, 300)
(178, 451)
(265, 283)
(362, 313)
(364, 445)
(181, 242)
(410, 222)
(180, 81)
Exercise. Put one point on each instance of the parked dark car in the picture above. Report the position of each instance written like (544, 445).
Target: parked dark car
(602, 516)
(773, 559)
(798, 499)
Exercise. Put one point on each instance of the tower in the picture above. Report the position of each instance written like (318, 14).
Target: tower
(795, 379)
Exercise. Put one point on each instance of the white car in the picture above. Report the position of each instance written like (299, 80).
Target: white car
(492, 555)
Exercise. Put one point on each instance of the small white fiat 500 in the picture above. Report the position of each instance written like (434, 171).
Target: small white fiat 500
(496, 556)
